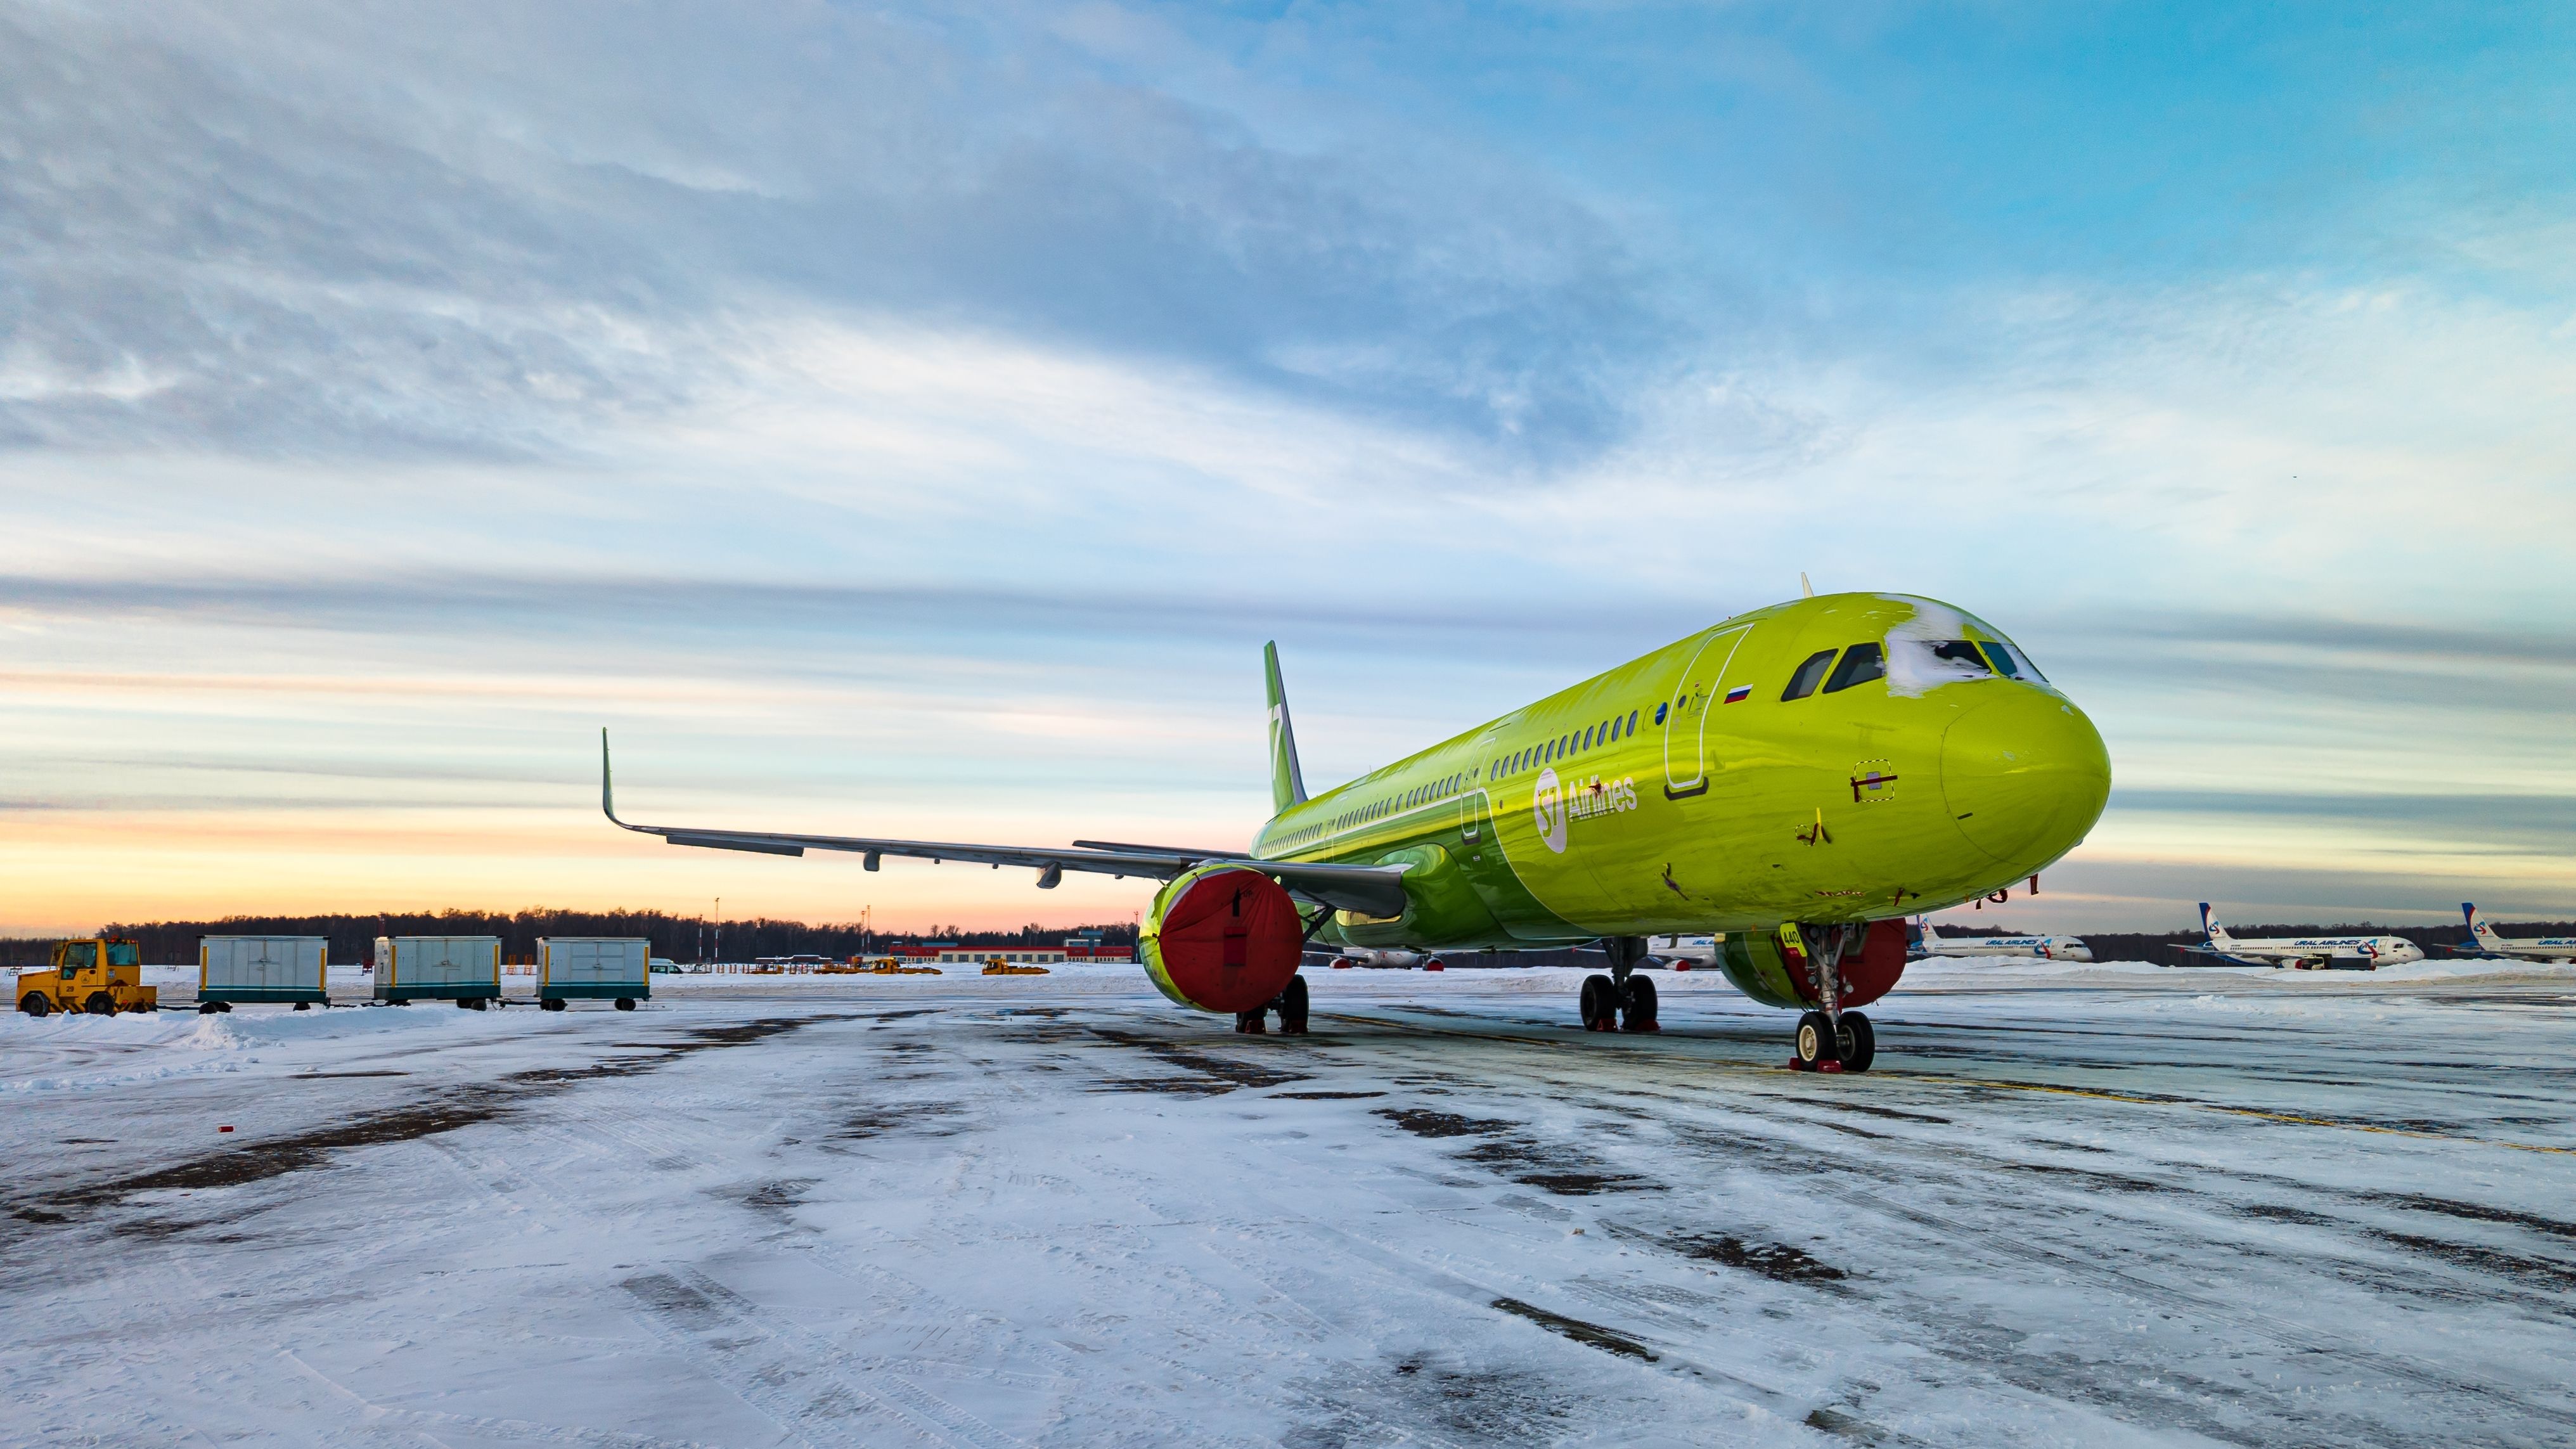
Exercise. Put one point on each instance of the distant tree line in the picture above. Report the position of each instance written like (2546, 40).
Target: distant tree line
(690, 938)
(681, 938)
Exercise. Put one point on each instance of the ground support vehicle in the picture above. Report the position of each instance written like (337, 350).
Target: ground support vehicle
(593, 968)
(462, 969)
(292, 969)
(101, 976)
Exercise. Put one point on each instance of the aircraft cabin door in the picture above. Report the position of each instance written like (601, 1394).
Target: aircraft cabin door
(1475, 827)
(1686, 707)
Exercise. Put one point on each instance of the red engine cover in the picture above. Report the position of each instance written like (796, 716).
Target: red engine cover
(1882, 960)
(1232, 940)
(1869, 975)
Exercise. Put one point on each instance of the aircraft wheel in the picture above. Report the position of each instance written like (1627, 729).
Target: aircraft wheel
(1600, 1004)
(35, 1004)
(1859, 1042)
(100, 1004)
(1292, 1007)
(626, 1003)
(1815, 1041)
(1640, 1005)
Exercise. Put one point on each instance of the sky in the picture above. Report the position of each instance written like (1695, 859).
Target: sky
(911, 421)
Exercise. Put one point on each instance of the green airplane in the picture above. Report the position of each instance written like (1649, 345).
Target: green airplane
(1796, 780)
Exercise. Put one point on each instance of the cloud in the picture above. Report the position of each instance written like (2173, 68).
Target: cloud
(497, 232)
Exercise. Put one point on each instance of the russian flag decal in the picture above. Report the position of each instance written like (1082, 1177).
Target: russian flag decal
(1737, 694)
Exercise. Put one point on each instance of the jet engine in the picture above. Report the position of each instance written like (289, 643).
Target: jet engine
(1768, 967)
(1222, 938)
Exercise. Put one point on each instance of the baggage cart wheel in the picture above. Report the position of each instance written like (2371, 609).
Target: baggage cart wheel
(626, 1003)
(35, 1004)
(209, 1008)
(552, 1003)
(304, 1006)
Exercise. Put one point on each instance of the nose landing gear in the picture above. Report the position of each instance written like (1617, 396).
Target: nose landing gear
(1832, 1040)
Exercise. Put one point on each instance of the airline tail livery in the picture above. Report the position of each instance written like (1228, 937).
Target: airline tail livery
(1799, 778)
(2484, 940)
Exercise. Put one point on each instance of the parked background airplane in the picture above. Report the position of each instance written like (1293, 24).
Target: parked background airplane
(1797, 777)
(2306, 953)
(2483, 941)
(1925, 939)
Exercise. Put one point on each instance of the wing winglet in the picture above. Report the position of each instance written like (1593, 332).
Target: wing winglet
(607, 798)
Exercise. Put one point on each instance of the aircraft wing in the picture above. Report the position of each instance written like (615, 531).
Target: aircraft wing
(1374, 890)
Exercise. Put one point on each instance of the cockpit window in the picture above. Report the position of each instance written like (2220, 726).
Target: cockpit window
(1861, 664)
(1803, 683)
(1962, 653)
(2010, 660)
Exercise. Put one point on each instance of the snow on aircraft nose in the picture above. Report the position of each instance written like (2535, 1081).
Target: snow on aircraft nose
(2025, 775)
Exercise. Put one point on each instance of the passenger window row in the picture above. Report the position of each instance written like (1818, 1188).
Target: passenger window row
(1591, 737)
(1438, 789)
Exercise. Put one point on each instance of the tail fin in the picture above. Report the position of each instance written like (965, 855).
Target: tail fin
(1287, 782)
(1918, 934)
(2210, 928)
(2479, 931)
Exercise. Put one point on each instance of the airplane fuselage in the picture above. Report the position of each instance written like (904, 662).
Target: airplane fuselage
(2049, 948)
(1838, 759)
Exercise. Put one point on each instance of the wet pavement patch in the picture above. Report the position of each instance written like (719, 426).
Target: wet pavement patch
(2545, 1272)
(1322, 1096)
(2474, 1212)
(2089, 1176)
(1223, 1074)
(1592, 1334)
(1423, 1122)
(1772, 1260)
(1169, 1086)
(448, 1111)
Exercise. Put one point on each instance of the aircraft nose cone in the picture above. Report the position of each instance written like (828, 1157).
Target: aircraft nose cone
(2025, 776)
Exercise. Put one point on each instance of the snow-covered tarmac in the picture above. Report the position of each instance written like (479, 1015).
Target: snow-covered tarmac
(2073, 1205)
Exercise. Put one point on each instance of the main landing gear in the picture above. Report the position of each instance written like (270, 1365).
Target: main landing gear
(1832, 1040)
(1289, 1003)
(1622, 1000)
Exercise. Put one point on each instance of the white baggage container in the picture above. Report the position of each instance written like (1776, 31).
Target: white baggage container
(462, 969)
(262, 968)
(593, 968)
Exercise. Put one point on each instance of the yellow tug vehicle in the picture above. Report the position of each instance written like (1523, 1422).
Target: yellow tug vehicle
(996, 966)
(876, 966)
(102, 976)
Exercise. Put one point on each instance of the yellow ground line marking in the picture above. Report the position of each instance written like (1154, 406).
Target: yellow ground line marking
(2002, 1086)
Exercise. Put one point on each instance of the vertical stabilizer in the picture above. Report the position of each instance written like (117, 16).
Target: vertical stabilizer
(1287, 782)
(2210, 928)
(2479, 931)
